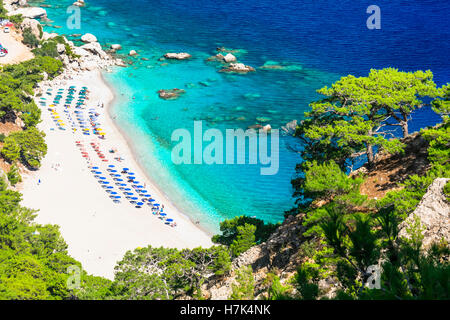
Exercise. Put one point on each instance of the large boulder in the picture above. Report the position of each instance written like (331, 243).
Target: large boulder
(30, 12)
(95, 48)
(116, 47)
(229, 58)
(33, 25)
(132, 53)
(434, 214)
(47, 36)
(88, 38)
(177, 56)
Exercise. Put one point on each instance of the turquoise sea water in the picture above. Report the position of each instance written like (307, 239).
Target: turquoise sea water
(317, 42)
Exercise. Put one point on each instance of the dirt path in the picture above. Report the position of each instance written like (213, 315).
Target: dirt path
(17, 51)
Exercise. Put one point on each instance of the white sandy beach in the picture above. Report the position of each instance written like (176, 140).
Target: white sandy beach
(97, 230)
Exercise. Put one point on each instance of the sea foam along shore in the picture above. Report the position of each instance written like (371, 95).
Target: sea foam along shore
(97, 230)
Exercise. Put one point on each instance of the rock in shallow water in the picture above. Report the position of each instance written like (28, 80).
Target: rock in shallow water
(170, 94)
(237, 68)
(177, 56)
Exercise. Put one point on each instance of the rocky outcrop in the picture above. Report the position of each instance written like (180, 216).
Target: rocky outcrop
(33, 25)
(115, 47)
(434, 214)
(95, 48)
(48, 36)
(177, 56)
(132, 53)
(279, 254)
(237, 68)
(88, 38)
(170, 94)
(229, 58)
(290, 127)
(30, 12)
(79, 3)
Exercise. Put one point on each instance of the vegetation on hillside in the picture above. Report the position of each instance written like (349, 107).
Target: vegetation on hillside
(347, 233)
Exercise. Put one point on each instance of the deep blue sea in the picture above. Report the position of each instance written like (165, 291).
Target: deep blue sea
(317, 41)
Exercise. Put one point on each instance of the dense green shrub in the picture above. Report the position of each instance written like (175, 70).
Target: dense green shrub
(29, 38)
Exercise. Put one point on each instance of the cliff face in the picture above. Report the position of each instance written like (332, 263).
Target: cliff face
(434, 214)
(278, 255)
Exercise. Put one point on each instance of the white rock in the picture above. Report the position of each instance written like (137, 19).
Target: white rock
(116, 47)
(95, 48)
(34, 25)
(267, 128)
(132, 53)
(47, 36)
(229, 58)
(79, 3)
(61, 48)
(88, 37)
(177, 56)
(30, 12)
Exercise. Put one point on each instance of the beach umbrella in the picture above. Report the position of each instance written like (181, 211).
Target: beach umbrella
(134, 198)
(113, 192)
(105, 182)
(111, 166)
(126, 169)
(163, 214)
(131, 173)
(140, 203)
(144, 191)
(129, 193)
(169, 220)
(156, 204)
(122, 184)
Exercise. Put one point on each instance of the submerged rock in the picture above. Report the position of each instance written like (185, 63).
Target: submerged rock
(170, 94)
(255, 126)
(177, 56)
(262, 119)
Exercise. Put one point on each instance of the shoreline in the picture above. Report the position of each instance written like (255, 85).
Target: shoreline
(97, 230)
(141, 168)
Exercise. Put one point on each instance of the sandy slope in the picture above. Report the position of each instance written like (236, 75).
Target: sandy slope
(17, 51)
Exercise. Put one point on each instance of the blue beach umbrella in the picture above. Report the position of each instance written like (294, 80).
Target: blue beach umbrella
(169, 220)
(163, 214)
